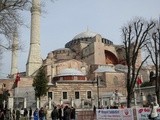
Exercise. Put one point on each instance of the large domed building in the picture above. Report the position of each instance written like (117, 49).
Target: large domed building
(90, 70)
(86, 72)
(73, 71)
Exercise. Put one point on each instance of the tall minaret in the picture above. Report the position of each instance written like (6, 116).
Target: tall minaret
(14, 61)
(34, 59)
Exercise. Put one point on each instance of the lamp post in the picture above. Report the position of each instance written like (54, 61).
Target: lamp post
(159, 52)
(98, 91)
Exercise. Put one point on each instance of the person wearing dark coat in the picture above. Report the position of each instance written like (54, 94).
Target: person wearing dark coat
(36, 114)
(30, 113)
(25, 113)
(73, 113)
(41, 114)
(67, 113)
(1, 114)
(60, 113)
(54, 114)
(17, 114)
(94, 110)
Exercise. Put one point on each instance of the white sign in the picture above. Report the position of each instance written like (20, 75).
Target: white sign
(114, 114)
(142, 113)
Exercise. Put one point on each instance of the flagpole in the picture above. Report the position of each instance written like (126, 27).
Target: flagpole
(17, 93)
(98, 91)
(17, 88)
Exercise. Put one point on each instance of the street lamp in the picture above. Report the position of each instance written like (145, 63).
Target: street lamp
(98, 91)
(159, 49)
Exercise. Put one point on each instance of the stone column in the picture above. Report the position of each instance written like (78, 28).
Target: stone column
(50, 103)
(110, 102)
(135, 98)
(102, 101)
(38, 103)
(72, 103)
(25, 103)
(10, 103)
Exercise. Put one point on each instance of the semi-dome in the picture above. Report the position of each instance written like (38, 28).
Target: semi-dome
(86, 34)
(70, 71)
(62, 49)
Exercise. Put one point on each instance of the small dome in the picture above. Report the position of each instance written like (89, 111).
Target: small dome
(70, 71)
(85, 34)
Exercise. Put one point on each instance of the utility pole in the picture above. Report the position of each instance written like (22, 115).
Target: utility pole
(98, 91)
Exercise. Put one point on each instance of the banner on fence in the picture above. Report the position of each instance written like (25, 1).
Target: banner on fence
(114, 114)
(142, 113)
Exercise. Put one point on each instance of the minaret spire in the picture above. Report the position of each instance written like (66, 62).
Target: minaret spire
(14, 62)
(34, 59)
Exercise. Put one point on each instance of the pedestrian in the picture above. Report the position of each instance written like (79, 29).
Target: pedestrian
(41, 114)
(25, 113)
(45, 112)
(22, 112)
(30, 113)
(7, 115)
(1, 114)
(67, 113)
(36, 114)
(14, 114)
(122, 106)
(153, 115)
(17, 114)
(73, 113)
(94, 110)
(54, 113)
(60, 113)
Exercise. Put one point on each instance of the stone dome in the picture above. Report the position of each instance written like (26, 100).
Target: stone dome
(86, 34)
(70, 71)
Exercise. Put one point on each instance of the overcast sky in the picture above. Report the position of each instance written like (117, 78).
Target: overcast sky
(64, 19)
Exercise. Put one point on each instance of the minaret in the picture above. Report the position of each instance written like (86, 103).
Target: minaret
(14, 62)
(34, 59)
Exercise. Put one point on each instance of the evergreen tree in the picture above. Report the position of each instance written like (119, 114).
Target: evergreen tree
(40, 83)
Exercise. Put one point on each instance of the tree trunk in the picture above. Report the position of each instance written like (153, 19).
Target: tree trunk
(157, 85)
(129, 98)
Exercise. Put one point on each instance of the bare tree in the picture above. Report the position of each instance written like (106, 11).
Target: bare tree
(153, 48)
(10, 18)
(134, 35)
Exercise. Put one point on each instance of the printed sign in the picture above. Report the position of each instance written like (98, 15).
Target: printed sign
(142, 113)
(114, 114)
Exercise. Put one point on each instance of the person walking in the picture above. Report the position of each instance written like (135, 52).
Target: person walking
(54, 114)
(1, 114)
(154, 115)
(60, 113)
(25, 113)
(94, 110)
(36, 114)
(67, 113)
(17, 114)
(14, 114)
(30, 113)
(41, 114)
(22, 112)
(73, 113)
